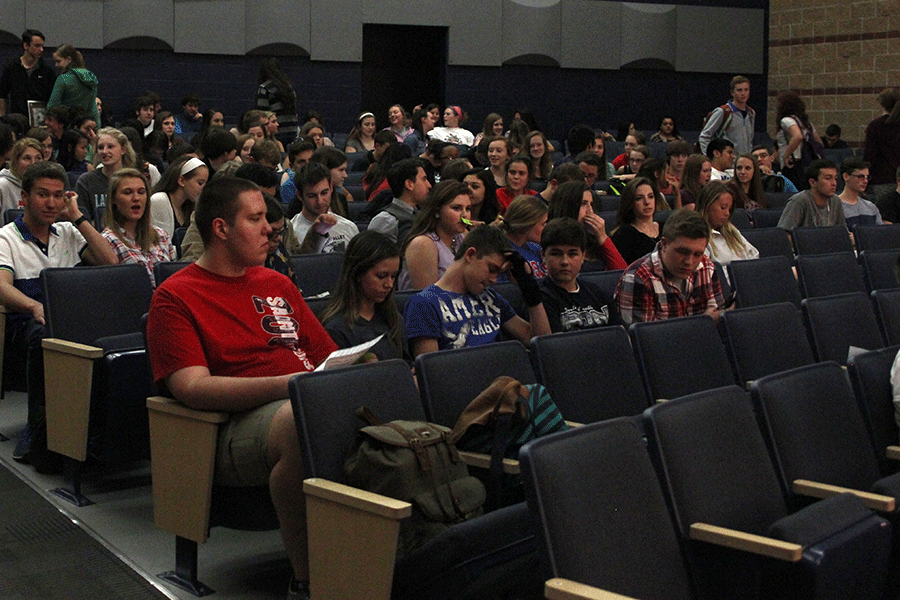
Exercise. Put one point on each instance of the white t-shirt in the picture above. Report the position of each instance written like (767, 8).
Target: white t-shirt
(453, 135)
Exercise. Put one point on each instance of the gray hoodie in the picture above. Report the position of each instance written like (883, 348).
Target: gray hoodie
(10, 191)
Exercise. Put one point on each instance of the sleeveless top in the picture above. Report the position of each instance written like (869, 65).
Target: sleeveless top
(445, 259)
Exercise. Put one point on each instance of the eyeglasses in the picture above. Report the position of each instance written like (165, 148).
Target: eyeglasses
(860, 176)
(276, 233)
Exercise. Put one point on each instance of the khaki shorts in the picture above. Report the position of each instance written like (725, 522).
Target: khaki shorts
(241, 449)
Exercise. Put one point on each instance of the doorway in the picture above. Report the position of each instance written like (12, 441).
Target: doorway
(402, 64)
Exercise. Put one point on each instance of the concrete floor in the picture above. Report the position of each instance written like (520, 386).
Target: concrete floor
(238, 565)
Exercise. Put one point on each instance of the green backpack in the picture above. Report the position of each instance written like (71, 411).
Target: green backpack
(416, 462)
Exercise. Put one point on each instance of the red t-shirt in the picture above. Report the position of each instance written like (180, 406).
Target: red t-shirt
(505, 197)
(250, 326)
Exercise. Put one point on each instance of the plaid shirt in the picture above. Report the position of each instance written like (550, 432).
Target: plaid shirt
(645, 294)
(131, 253)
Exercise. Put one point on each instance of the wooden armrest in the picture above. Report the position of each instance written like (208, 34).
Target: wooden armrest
(483, 461)
(814, 489)
(574, 424)
(68, 379)
(183, 456)
(352, 540)
(174, 407)
(747, 542)
(73, 348)
(357, 498)
(566, 589)
(893, 452)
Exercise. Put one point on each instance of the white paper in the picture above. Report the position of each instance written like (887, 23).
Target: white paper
(347, 356)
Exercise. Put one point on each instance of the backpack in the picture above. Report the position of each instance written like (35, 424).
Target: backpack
(726, 119)
(416, 462)
(503, 418)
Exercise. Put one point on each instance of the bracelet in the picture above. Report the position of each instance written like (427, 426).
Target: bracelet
(79, 220)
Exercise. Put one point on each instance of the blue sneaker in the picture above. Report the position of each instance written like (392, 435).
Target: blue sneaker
(23, 445)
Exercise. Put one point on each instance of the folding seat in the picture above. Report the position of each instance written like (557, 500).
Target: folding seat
(887, 311)
(513, 295)
(356, 209)
(835, 323)
(766, 339)
(680, 356)
(766, 217)
(770, 241)
(317, 273)
(177, 238)
(719, 481)
(11, 214)
(164, 270)
(764, 281)
(870, 238)
(821, 240)
(740, 218)
(450, 379)
(610, 529)
(607, 280)
(880, 269)
(870, 373)
(829, 274)
(816, 432)
(186, 502)
(778, 200)
(96, 379)
(353, 534)
(723, 281)
(591, 375)
(609, 202)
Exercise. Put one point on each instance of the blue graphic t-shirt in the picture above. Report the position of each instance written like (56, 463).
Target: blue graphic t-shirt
(456, 320)
(531, 252)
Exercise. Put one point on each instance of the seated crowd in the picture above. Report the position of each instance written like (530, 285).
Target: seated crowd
(449, 214)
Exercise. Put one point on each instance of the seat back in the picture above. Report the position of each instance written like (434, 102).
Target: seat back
(814, 428)
(870, 374)
(681, 356)
(11, 214)
(837, 322)
(765, 339)
(767, 217)
(778, 200)
(83, 304)
(879, 269)
(317, 273)
(713, 461)
(164, 270)
(764, 281)
(605, 280)
(591, 375)
(324, 403)
(870, 238)
(610, 529)
(829, 274)
(770, 241)
(740, 218)
(821, 240)
(450, 379)
(887, 311)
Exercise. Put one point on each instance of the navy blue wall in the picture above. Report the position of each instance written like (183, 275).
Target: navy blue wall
(559, 97)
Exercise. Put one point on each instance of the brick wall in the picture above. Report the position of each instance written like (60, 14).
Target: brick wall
(838, 55)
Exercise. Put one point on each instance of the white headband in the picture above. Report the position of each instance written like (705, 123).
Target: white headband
(191, 164)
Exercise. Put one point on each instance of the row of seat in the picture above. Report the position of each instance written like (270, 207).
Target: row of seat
(728, 426)
(648, 520)
(108, 293)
